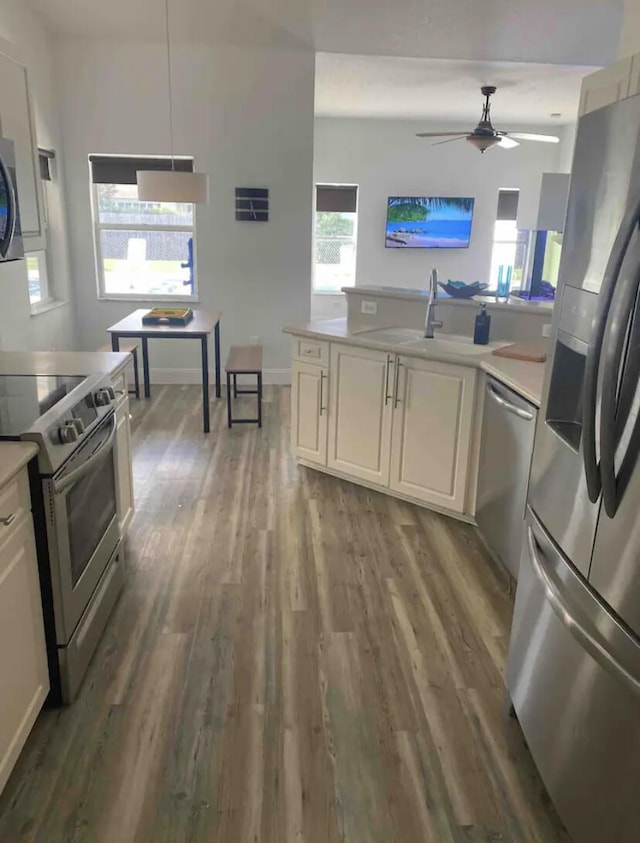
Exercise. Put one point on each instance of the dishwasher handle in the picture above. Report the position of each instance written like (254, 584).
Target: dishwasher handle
(507, 405)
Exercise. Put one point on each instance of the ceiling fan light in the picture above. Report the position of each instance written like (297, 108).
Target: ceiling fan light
(483, 142)
(172, 186)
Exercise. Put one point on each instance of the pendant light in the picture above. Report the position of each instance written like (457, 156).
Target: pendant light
(172, 185)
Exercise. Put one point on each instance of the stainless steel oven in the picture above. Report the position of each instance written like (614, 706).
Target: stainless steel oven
(83, 539)
(82, 527)
(74, 502)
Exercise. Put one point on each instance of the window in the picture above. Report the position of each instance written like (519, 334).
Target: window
(143, 249)
(509, 244)
(38, 275)
(40, 292)
(336, 226)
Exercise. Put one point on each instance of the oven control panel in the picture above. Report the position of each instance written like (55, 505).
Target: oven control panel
(103, 397)
(64, 427)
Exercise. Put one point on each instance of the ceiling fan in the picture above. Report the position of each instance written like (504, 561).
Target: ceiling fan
(484, 136)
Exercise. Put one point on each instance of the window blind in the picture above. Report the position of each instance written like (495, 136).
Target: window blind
(508, 204)
(45, 156)
(337, 198)
(117, 169)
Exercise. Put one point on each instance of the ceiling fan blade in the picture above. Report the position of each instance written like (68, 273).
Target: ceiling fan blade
(533, 137)
(438, 134)
(508, 143)
(449, 140)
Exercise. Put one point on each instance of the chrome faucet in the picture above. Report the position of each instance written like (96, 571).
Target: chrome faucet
(430, 323)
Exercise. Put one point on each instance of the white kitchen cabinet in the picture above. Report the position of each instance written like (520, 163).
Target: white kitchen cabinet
(360, 409)
(124, 480)
(606, 86)
(309, 414)
(17, 123)
(432, 427)
(24, 676)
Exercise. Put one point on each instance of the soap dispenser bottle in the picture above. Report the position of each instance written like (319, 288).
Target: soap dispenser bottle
(483, 324)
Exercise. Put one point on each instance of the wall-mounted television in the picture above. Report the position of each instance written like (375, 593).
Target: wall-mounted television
(429, 222)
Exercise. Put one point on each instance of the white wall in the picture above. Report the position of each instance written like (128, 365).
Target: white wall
(630, 29)
(385, 159)
(30, 44)
(246, 115)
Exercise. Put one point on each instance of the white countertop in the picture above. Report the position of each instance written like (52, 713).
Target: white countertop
(524, 377)
(512, 304)
(13, 456)
(337, 330)
(62, 362)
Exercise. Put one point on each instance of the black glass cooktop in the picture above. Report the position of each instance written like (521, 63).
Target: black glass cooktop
(24, 398)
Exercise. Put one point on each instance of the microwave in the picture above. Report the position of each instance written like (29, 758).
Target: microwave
(11, 247)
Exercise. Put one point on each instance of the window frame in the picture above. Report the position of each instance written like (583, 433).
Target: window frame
(505, 240)
(98, 227)
(43, 246)
(353, 238)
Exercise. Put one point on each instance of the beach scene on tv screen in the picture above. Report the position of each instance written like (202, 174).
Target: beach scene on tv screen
(429, 222)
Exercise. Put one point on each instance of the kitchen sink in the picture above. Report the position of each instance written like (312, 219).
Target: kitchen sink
(393, 336)
(452, 344)
(411, 338)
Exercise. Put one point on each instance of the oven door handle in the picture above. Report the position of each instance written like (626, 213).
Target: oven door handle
(60, 486)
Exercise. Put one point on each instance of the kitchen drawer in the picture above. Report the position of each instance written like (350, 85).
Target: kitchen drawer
(311, 351)
(15, 502)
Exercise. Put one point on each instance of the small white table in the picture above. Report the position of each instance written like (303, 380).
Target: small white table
(203, 324)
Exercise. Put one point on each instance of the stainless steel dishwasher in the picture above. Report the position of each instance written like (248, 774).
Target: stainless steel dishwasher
(508, 429)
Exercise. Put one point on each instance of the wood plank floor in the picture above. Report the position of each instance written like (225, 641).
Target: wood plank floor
(295, 660)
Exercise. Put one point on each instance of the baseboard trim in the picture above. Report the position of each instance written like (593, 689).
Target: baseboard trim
(385, 490)
(272, 377)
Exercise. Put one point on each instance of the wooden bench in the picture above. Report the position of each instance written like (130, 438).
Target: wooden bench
(131, 346)
(244, 360)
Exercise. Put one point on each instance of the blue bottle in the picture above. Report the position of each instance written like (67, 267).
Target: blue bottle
(482, 327)
(504, 284)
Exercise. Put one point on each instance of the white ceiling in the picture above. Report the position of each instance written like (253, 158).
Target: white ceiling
(554, 31)
(446, 90)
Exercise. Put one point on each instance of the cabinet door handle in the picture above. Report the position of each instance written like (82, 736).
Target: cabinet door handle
(387, 397)
(323, 409)
(396, 399)
(8, 520)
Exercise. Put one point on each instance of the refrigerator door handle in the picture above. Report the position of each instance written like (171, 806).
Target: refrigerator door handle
(592, 365)
(590, 640)
(621, 311)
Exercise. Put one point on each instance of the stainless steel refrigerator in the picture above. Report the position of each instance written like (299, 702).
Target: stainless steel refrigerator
(574, 658)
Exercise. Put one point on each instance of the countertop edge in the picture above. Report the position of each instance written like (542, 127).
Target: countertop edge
(13, 457)
(66, 363)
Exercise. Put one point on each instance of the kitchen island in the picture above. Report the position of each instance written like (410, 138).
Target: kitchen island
(394, 411)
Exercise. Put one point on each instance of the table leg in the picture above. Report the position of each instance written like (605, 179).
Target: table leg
(145, 367)
(216, 343)
(205, 382)
(136, 375)
(115, 342)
